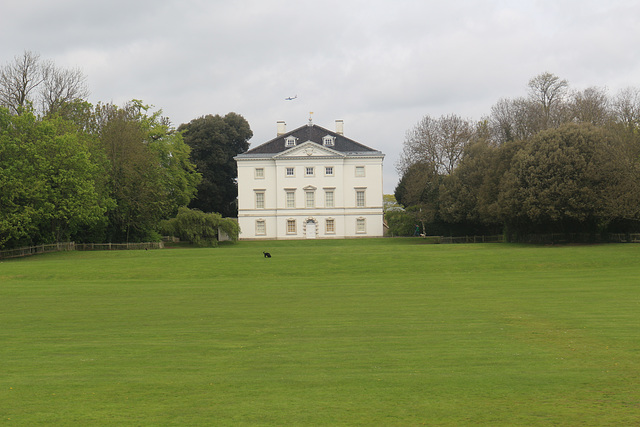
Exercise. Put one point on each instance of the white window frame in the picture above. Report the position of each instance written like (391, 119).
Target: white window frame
(292, 227)
(361, 198)
(290, 141)
(329, 141)
(329, 198)
(259, 199)
(290, 199)
(361, 226)
(331, 230)
(290, 169)
(328, 170)
(258, 173)
(308, 169)
(309, 199)
(360, 171)
(261, 227)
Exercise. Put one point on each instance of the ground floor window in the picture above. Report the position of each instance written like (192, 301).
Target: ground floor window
(361, 225)
(330, 226)
(291, 226)
(261, 227)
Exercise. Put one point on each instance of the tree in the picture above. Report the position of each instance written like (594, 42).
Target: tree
(557, 181)
(29, 81)
(149, 173)
(548, 91)
(214, 141)
(591, 106)
(47, 178)
(60, 87)
(626, 108)
(418, 190)
(199, 228)
(439, 142)
(18, 80)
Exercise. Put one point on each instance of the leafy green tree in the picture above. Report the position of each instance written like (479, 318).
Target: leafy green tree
(400, 222)
(48, 181)
(149, 172)
(214, 141)
(418, 190)
(557, 181)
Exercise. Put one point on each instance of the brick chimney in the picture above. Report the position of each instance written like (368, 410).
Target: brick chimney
(340, 127)
(282, 127)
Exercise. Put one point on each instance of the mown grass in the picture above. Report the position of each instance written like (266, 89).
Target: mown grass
(350, 332)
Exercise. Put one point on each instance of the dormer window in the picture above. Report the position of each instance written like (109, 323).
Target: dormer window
(329, 141)
(290, 141)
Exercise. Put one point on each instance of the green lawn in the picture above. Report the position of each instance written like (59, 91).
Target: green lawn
(350, 332)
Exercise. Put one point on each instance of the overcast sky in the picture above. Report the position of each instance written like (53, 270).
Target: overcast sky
(380, 65)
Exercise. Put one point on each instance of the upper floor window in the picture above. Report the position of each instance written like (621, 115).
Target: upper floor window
(328, 170)
(328, 141)
(359, 170)
(328, 199)
(310, 201)
(260, 199)
(291, 199)
(259, 173)
(360, 201)
(290, 141)
(309, 171)
(290, 171)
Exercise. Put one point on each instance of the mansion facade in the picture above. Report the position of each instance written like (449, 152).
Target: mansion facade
(310, 183)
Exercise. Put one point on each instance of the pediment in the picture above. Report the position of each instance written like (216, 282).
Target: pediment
(309, 149)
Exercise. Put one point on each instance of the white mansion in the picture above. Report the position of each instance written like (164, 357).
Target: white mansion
(310, 183)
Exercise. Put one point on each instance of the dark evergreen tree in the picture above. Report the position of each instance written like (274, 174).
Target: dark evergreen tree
(214, 141)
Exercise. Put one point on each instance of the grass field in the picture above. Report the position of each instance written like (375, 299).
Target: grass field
(351, 332)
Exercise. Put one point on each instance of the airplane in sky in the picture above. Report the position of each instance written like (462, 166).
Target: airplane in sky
(291, 98)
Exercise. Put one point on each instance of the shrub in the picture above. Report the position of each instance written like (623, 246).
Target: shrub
(199, 228)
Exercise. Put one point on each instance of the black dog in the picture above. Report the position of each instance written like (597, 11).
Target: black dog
(267, 254)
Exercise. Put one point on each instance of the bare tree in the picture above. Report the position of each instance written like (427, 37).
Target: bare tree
(548, 92)
(626, 106)
(18, 80)
(440, 142)
(591, 106)
(60, 86)
(514, 119)
(28, 81)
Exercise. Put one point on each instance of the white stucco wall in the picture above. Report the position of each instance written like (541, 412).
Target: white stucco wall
(344, 183)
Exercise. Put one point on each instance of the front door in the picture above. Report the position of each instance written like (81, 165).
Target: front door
(311, 230)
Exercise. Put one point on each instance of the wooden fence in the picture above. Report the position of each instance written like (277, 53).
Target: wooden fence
(118, 246)
(555, 238)
(71, 246)
(40, 249)
(473, 239)
(562, 238)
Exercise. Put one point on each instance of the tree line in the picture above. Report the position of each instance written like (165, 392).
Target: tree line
(555, 161)
(70, 170)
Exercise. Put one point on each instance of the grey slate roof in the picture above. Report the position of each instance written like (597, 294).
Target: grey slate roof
(313, 133)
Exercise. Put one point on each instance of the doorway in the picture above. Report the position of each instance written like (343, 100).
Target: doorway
(311, 229)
